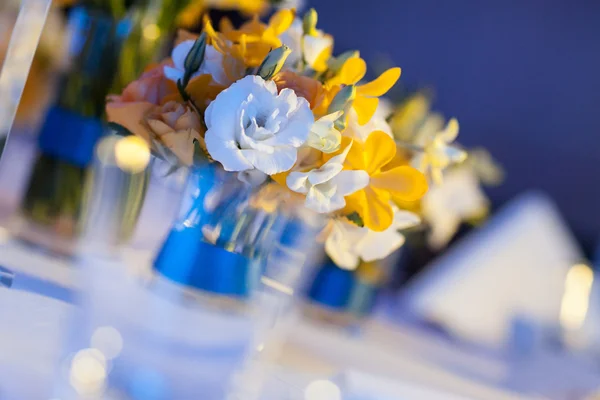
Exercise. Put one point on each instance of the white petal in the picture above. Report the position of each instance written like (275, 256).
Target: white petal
(173, 74)
(317, 201)
(405, 219)
(292, 38)
(227, 153)
(324, 174)
(213, 65)
(348, 182)
(314, 46)
(379, 245)
(252, 177)
(341, 244)
(282, 159)
(324, 201)
(295, 131)
(323, 135)
(331, 118)
(455, 154)
(180, 53)
(342, 257)
(340, 158)
(298, 182)
(361, 132)
(222, 116)
(337, 202)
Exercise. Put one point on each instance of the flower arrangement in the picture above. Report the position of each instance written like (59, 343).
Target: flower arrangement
(271, 103)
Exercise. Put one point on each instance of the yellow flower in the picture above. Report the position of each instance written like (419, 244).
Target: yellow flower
(438, 152)
(409, 116)
(367, 94)
(192, 13)
(402, 183)
(254, 40)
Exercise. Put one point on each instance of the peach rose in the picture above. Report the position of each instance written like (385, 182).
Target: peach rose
(139, 98)
(151, 87)
(310, 89)
(175, 127)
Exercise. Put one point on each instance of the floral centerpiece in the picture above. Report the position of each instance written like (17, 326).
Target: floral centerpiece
(271, 103)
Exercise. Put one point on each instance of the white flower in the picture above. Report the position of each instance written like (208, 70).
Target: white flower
(314, 46)
(457, 199)
(252, 177)
(439, 152)
(361, 132)
(347, 243)
(323, 136)
(325, 187)
(292, 38)
(305, 46)
(211, 65)
(250, 126)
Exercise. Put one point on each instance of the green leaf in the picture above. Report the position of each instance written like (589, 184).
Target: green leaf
(119, 129)
(194, 59)
(355, 219)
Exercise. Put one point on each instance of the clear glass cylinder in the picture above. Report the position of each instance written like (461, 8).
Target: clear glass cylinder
(204, 317)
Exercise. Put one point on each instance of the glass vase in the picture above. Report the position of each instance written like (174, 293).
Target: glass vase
(343, 298)
(52, 207)
(204, 317)
(153, 29)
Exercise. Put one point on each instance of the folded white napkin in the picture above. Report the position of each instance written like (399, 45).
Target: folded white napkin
(514, 267)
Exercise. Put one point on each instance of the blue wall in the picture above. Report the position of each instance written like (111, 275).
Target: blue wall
(522, 76)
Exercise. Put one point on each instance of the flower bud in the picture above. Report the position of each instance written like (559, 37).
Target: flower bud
(309, 22)
(273, 62)
(342, 102)
(194, 59)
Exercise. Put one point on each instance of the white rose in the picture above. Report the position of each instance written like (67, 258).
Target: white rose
(347, 243)
(250, 126)
(211, 65)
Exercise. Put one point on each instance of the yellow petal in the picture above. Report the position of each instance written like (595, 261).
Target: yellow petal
(353, 71)
(373, 206)
(379, 149)
(355, 160)
(365, 108)
(281, 178)
(405, 184)
(381, 85)
(450, 133)
(281, 21)
(216, 39)
(225, 25)
(191, 14)
(320, 64)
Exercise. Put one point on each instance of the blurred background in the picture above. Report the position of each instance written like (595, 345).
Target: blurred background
(522, 77)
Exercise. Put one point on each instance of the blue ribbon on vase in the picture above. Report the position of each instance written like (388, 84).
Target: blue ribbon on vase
(69, 136)
(186, 258)
(341, 290)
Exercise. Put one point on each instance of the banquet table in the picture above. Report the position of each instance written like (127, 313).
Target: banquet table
(403, 360)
